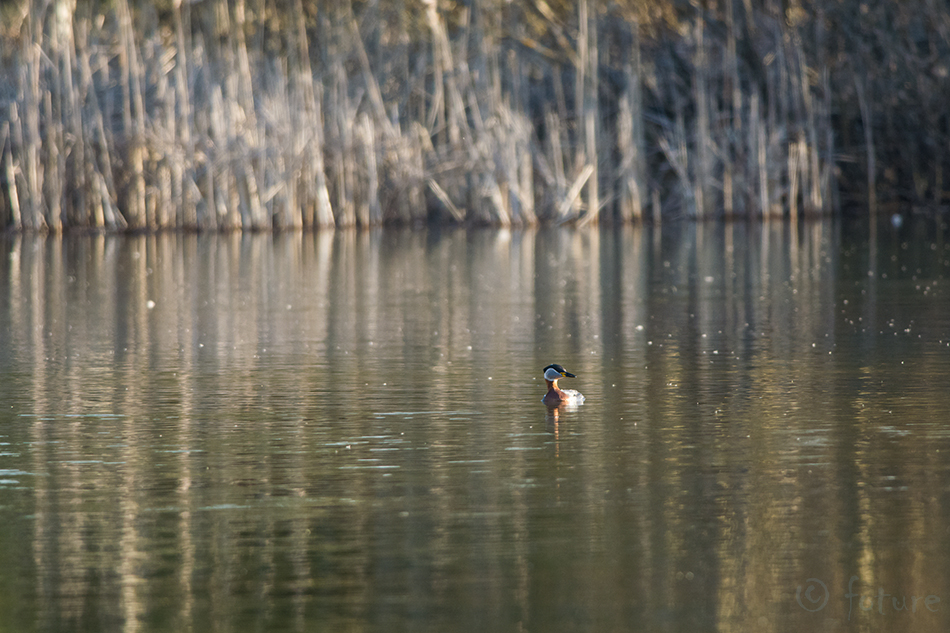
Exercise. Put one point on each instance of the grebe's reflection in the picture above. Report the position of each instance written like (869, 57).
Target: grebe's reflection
(552, 416)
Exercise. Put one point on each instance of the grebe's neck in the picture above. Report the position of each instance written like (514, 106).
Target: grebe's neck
(552, 384)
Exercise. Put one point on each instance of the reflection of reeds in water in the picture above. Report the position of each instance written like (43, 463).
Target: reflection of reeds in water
(228, 420)
(221, 116)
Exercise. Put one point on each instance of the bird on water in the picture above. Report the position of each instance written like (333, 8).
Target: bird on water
(556, 396)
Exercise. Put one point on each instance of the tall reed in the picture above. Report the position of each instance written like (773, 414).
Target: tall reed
(225, 115)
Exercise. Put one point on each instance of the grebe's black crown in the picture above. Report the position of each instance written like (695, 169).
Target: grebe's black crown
(560, 370)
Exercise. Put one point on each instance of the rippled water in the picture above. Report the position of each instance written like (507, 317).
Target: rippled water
(345, 431)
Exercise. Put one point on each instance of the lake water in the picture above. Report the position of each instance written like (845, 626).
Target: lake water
(344, 431)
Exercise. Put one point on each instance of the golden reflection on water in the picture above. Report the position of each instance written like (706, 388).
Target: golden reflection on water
(344, 430)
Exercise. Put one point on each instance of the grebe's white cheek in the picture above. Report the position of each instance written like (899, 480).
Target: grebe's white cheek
(552, 374)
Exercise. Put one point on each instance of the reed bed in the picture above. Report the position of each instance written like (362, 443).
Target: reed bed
(229, 115)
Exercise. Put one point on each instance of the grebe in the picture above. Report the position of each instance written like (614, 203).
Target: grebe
(555, 396)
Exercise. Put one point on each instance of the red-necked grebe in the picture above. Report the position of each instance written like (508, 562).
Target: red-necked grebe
(555, 396)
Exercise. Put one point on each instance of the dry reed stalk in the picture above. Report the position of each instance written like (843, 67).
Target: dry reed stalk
(732, 168)
(732, 68)
(75, 160)
(16, 219)
(728, 195)
(284, 115)
(703, 142)
(253, 213)
(793, 173)
(132, 80)
(103, 188)
(440, 193)
(823, 174)
(323, 210)
(161, 198)
(808, 148)
(313, 171)
(491, 193)
(343, 151)
(870, 152)
(436, 120)
(586, 105)
(224, 211)
(28, 136)
(183, 172)
(676, 158)
(517, 173)
(684, 171)
(761, 158)
(564, 209)
(54, 166)
(372, 86)
(555, 135)
(480, 143)
(233, 122)
(93, 215)
(458, 128)
(415, 174)
(369, 212)
(526, 179)
(630, 141)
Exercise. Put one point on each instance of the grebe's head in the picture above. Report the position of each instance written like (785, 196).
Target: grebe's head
(554, 371)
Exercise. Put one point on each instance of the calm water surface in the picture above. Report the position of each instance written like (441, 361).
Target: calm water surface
(344, 432)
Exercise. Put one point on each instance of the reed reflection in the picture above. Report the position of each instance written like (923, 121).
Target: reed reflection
(345, 428)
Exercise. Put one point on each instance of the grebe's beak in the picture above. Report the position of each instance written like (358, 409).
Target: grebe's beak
(556, 372)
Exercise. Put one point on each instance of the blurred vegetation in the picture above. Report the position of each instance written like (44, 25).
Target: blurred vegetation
(255, 114)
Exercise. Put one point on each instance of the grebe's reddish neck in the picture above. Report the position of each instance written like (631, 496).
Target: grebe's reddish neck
(553, 392)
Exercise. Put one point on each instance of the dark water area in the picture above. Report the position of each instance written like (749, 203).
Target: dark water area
(344, 431)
